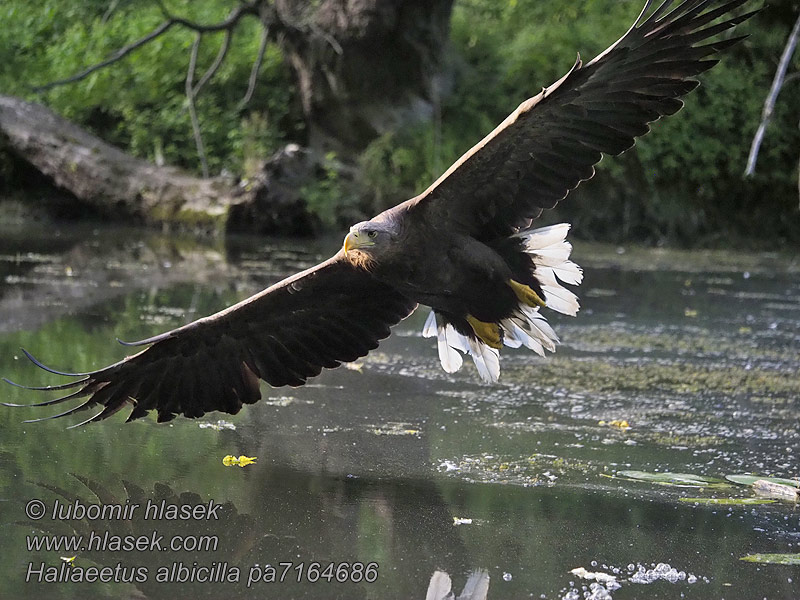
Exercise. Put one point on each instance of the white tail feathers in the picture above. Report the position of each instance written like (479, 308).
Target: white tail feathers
(550, 252)
(486, 359)
(545, 236)
(558, 298)
(526, 326)
(451, 343)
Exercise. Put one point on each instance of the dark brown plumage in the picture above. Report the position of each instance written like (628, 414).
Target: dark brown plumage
(462, 247)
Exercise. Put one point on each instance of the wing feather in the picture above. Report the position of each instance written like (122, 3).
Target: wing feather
(552, 141)
(329, 314)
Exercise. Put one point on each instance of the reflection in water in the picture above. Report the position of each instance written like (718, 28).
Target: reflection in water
(476, 588)
(309, 537)
(64, 272)
(376, 464)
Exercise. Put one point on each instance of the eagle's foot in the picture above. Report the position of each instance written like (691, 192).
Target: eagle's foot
(488, 333)
(525, 294)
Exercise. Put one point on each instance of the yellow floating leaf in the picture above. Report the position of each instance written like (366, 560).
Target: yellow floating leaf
(242, 461)
(70, 560)
(246, 460)
(621, 423)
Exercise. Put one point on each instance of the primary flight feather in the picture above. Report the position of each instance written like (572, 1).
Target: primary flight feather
(464, 247)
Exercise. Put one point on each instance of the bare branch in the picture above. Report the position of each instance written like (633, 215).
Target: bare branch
(163, 8)
(251, 84)
(119, 54)
(110, 11)
(769, 103)
(198, 137)
(223, 50)
(328, 38)
(791, 77)
(226, 25)
(233, 18)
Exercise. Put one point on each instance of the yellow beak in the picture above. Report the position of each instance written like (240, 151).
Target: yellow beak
(349, 242)
(355, 240)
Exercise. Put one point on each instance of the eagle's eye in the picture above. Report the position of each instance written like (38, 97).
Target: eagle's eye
(373, 234)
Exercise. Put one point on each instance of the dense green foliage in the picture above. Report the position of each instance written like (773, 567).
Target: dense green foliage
(140, 103)
(682, 183)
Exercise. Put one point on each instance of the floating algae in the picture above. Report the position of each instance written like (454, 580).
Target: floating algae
(675, 479)
(727, 501)
(773, 559)
(751, 479)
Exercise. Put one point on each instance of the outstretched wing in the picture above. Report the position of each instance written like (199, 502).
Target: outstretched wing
(329, 314)
(552, 141)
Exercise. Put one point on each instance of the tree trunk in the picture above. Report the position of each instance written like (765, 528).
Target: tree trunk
(364, 67)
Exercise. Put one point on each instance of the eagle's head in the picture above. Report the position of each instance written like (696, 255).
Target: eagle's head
(367, 242)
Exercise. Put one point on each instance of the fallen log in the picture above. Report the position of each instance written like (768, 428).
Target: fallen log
(121, 187)
(112, 182)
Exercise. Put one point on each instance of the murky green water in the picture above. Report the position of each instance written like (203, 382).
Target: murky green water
(375, 465)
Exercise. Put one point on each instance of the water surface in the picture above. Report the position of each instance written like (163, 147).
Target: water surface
(394, 463)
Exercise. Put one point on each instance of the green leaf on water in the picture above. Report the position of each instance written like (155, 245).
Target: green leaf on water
(750, 479)
(773, 559)
(676, 479)
(728, 500)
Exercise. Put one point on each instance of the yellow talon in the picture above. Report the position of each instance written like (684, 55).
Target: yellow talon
(488, 333)
(525, 294)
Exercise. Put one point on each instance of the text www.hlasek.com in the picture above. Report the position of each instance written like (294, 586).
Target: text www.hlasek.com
(105, 541)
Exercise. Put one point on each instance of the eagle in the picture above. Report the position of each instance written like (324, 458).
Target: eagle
(464, 247)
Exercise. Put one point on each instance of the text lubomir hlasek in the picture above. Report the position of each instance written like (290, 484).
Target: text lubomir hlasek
(152, 511)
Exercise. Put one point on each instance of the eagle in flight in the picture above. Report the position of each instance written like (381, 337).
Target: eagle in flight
(464, 247)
